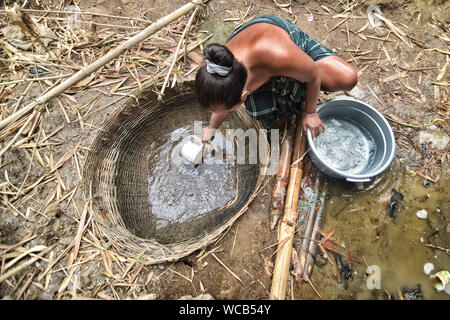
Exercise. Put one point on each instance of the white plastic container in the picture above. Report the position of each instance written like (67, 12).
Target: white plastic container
(192, 152)
(422, 214)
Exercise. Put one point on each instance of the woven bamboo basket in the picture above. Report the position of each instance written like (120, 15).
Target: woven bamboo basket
(115, 178)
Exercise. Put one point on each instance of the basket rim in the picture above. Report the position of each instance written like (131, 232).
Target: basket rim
(150, 251)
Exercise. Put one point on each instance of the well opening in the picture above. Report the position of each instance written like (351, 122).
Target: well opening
(118, 177)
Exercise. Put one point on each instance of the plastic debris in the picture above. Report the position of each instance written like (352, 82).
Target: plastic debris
(422, 214)
(395, 203)
(374, 22)
(415, 294)
(23, 32)
(434, 138)
(37, 70)
(310, 17)
(441, 280)
(73, 20)
(428, 268)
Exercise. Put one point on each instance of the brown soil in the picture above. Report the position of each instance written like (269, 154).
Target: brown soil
(247, 249)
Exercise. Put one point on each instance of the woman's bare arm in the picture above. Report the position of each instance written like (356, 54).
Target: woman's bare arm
(216, 120)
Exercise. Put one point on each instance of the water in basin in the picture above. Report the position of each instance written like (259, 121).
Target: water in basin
(345, 146)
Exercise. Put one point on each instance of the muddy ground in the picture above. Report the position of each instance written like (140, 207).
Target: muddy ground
(248, 247)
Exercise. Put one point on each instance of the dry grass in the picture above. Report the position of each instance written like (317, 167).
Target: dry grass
(164, 58)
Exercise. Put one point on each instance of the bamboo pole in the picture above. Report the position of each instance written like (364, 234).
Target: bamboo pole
(315, 233)
(287, 225)
(310, 221)
(175, 56)
(86, 71)
(281, 178)
(313, 237)
(396, 30)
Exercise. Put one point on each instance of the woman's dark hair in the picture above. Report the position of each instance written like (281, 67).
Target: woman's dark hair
(213, 89)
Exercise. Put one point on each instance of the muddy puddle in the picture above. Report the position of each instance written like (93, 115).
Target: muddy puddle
(380, 223)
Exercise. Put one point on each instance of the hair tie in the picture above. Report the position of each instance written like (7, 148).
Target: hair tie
(211, 67)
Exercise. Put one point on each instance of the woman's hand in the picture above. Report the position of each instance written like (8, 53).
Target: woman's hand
(207, 134)
(312, 122)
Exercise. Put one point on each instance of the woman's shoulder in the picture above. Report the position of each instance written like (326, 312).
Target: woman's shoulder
(273, 47)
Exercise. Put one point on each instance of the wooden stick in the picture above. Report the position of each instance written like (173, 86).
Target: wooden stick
(54, 262)
(31, 162)
(437, 247)
(82, 13)
(228, 269)
(300, 159)
(313, 287)
(27, 283)
(287, 227)
(34, 79)
(25, 264)
(381, 219)
(81, 226)
(349, 256)
(86, 71)
(397, 31)
(8, 248)
(365, 262)
(339, 23)
(37, 248)
(18, 133)
(175, 56)
(281, 178)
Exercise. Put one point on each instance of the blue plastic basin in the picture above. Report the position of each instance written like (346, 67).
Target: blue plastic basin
(370, 120)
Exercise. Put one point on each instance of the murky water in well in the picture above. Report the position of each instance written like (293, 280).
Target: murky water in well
(395, 243)
(345, 146)
(178, 191)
